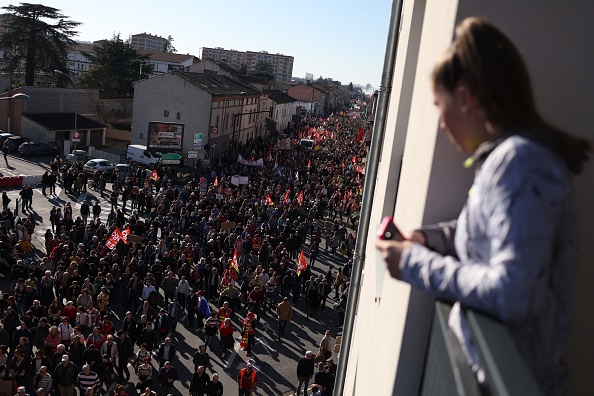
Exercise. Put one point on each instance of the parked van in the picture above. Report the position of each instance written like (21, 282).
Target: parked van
(140, 155)
(307, 143)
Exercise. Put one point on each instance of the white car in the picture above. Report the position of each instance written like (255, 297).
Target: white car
(99, 164)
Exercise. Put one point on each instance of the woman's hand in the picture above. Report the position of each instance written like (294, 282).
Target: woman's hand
(391, 252)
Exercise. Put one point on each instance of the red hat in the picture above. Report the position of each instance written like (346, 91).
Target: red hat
(199, 292)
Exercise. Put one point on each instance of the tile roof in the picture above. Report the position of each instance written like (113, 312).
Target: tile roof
(279, 96)
(63, 121)
(215, 85)
(155, 56)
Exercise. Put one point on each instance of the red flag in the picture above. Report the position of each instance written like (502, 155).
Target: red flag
(234, 261)
(309, 163)
(216, 182)
(113, 239)
(154, 175)
(268, 200)
(354, 159)
(125, 234)
(286, 200)
(301, 263)
(360, 135)
(300, 198)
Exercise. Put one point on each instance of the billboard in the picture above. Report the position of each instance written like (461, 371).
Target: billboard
(165, 136)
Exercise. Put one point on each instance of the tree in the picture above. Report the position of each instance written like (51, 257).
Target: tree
(115, 67)
(168, 46)
(264, 70)
(38, 35)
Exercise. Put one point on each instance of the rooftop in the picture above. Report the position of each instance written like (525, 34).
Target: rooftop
(215, 84)
(63, 121)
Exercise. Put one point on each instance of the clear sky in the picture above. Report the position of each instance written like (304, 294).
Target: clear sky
(344, 40)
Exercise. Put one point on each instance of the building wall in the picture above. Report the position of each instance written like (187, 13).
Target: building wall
(61, 100)
(282, 65)
(168, 92)
(432, 185)
(36, 132)
(233, 58)
(148, 42)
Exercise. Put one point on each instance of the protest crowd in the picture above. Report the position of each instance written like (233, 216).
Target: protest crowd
(215, 252)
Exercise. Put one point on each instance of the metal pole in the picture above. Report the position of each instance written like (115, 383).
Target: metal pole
(311, 103)
(9, 95)
(377, 140)
(75, 110)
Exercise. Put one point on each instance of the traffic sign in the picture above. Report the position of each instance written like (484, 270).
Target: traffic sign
(75, 137)
(171, 156)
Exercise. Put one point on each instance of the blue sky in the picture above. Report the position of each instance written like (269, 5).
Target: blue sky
(344, 40)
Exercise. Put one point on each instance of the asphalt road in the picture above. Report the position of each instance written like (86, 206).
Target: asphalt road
(275, 361)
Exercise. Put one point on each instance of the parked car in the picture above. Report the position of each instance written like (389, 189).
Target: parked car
(31, 149)
(4, 136)
(99, 164)
(124, 169)
(14, 142)
(79, 156)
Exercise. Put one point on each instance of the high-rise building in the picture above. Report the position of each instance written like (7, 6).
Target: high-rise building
(148, 42)
(282, 65)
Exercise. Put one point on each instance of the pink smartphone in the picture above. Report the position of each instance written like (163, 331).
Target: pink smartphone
(388, 230)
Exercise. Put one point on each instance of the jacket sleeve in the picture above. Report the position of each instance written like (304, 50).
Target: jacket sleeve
(440, 237)
(520, 209)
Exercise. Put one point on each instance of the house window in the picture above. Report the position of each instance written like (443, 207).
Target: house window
(165, 113)
(179, 116)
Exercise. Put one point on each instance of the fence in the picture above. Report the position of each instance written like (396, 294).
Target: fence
(94, 153)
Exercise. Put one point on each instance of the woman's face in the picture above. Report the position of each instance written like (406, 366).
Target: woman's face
(460, 117)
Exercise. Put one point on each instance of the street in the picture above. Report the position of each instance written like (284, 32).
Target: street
(275, 361)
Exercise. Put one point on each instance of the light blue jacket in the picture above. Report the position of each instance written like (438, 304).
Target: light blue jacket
(511, 253)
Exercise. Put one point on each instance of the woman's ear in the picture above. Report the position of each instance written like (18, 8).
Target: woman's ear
(464, 98)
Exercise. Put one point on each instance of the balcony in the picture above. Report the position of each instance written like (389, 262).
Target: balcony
(446, 371)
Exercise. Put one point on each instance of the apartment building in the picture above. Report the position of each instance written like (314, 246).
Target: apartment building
(282, 65)
(148, 42)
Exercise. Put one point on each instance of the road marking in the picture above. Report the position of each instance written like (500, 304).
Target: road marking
(232, 356)
(267, 346)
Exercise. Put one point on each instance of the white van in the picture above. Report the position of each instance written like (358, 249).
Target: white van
(140, 155)
(307, 143)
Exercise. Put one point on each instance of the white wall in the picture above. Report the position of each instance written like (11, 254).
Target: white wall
(169, 92)
(554, 38)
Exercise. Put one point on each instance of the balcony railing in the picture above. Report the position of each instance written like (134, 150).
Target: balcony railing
(447, 372)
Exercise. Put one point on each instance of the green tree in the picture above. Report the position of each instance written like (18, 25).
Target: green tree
(263, 69)
(38, 36)
(169, 46)
(115, 67)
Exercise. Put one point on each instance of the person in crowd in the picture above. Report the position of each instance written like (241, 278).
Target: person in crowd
(512, 251)
(305, 371)
(284, 312)
(166, 352)
(247, 379)
(65, 377)
(167, 376)
(199, 383)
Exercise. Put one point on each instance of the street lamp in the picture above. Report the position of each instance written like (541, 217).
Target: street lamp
(75, 100)
(10, 98)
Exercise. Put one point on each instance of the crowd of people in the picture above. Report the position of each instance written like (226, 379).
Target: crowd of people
(212, 253)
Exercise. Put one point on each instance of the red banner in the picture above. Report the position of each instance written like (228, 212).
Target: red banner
(114, 239)
(301, 262)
